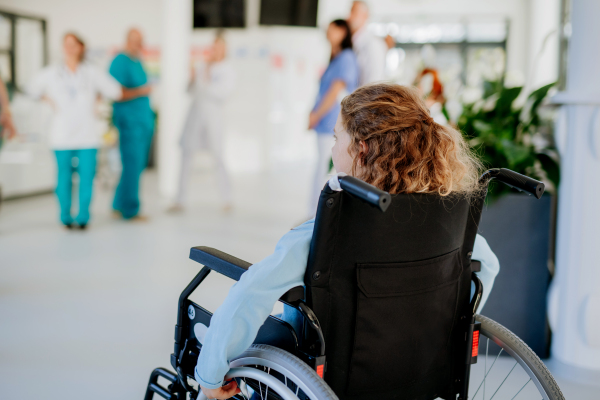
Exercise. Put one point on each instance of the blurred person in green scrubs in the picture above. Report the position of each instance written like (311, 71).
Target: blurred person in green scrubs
(72, 88)
(135, 121)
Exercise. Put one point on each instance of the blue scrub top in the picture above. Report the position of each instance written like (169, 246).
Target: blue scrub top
(343, 67)
(130, 73)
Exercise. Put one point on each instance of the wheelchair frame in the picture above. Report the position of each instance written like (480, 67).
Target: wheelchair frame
(280, 334)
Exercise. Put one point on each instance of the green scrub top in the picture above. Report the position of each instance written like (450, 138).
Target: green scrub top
(130, 73)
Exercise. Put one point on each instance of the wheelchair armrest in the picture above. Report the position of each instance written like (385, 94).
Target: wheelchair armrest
(223, 263)
(232, 267)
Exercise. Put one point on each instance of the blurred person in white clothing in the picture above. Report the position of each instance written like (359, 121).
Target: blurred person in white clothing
(72, 88)
(212, 83)
(370, 50)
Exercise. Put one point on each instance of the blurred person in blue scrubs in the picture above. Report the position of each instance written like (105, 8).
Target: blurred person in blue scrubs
(135, 121)
(212, 83)
(72, 89)
(340, 78)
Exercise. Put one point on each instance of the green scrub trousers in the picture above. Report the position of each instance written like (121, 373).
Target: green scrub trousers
(135, 121)
(134, 144)
(86, 169)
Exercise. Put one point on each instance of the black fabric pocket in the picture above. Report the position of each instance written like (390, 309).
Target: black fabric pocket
(404, 319)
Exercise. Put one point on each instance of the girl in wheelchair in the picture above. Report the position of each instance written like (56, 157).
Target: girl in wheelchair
(386, 137)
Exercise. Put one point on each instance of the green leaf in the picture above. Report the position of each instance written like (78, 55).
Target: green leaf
(551, 167)
(482, 126)
(504, 103)
(491, 87)
(537, 97)
(515, 154)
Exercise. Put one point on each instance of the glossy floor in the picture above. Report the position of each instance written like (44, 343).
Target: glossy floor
(88, 315)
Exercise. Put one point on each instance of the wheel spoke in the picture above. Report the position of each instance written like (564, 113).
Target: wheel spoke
(487, 346)
(511, 370)
(521, 389)
(487, 373)
(260, 388)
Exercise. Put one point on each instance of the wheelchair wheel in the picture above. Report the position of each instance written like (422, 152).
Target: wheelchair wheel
(521, 376)
(266, 372)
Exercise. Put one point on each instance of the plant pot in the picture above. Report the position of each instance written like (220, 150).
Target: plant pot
(518, 229)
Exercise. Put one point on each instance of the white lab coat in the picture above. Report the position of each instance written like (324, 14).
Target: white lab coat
(370, 53)
(204, 124)
(73, 96)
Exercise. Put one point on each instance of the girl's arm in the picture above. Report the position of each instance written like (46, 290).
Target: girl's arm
(329, 99)
(489, 267)
(235, 324)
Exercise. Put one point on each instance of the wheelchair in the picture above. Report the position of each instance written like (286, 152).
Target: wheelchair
(389, 288)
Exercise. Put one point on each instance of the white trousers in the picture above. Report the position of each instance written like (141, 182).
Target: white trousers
(324, 144)
(215, 146)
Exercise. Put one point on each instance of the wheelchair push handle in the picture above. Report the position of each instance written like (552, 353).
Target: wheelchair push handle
(366, 192)
(515, 180)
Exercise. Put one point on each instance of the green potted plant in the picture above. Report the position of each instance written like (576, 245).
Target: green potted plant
(507, 134)
(506, 130)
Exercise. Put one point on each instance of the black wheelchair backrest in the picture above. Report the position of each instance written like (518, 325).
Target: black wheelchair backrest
(390, 289)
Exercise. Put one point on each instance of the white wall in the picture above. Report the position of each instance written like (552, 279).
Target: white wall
(278, 67)
(516, 11)
(102, 23)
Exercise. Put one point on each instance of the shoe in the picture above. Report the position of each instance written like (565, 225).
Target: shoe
(139, 218)
(83, 227)
(175, 209)
(68, 226)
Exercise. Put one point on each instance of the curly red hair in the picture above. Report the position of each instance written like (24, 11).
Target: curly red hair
(406, 150)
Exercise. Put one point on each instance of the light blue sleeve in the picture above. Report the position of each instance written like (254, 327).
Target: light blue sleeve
(489, 267)
(235, 324)
(347, 70)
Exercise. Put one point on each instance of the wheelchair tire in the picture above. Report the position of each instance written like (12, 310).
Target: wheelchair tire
(281, 363)
(523, 355)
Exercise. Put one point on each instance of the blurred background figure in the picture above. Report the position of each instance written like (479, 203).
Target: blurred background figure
(340, 77)
(72, 89)
(429, 85)
(370, 50)
(212, 83)
(6, 121)
(134, 119)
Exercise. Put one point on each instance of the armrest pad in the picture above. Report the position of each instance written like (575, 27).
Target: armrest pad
(223, 263)
(476, 266)
(232, 267)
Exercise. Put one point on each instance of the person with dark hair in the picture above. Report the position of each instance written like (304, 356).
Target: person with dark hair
(341, 76)
(72, 89)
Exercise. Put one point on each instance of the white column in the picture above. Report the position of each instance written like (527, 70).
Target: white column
(174, 78)
(575, 293)
(543, 54)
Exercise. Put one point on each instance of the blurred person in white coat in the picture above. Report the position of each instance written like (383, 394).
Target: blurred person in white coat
(212, 83)
(370, 50)
(72, 88)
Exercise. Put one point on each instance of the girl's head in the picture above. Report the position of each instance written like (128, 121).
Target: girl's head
(339, 35)
(386, 137)
(73, 47)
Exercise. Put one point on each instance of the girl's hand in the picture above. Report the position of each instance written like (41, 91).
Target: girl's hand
(313, 120)
(224, 392)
